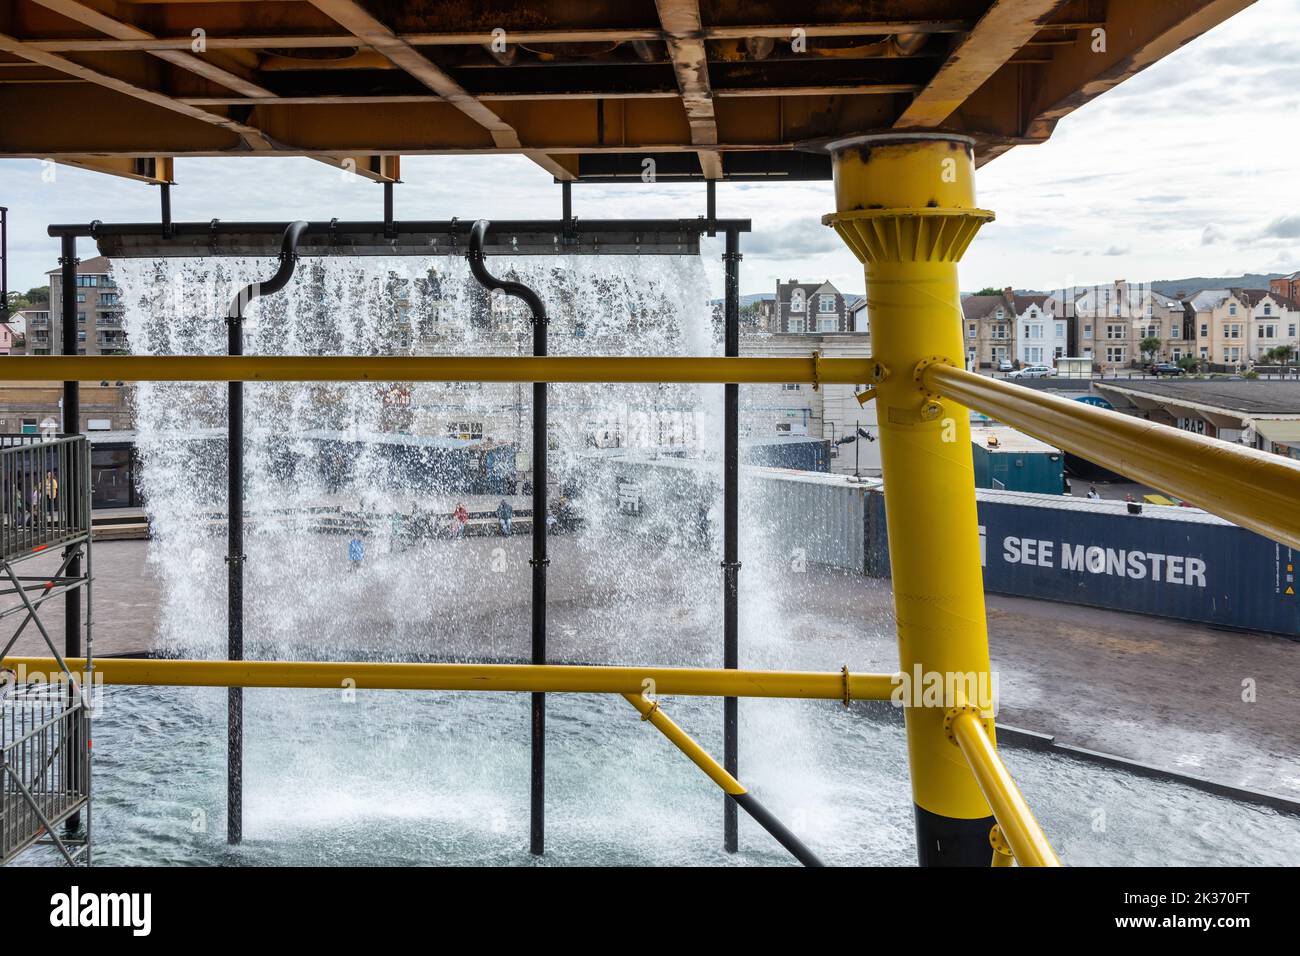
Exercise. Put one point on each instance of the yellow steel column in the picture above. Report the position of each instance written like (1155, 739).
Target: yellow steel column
(906, 206)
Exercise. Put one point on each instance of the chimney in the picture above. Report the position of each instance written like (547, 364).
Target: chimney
(1009, 292)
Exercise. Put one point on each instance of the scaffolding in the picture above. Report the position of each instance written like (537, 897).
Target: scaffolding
(45, 778)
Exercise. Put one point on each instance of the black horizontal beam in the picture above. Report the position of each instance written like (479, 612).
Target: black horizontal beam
(443, 237)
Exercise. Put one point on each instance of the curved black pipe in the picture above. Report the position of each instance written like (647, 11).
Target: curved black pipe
(288, 260)
(486, 279)
(539, 561)
(235, 527)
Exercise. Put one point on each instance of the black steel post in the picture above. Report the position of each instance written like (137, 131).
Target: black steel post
(540, 560)
(235, 529)
(711, 205)
(566, 200)
(730, 536)
(71, 426)
(235, 584)
(390, 227)
(4, 264)
(165, 198)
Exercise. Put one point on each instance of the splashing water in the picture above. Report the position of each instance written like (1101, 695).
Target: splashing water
(429, 777)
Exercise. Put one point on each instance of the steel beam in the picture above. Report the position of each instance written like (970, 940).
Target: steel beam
(731, 529)
(510, 678)
(361, 368)
(1015, 820)
(909, 224)
(1255, 489)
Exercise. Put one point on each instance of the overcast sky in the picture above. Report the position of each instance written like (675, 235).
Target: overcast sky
(1188, 169)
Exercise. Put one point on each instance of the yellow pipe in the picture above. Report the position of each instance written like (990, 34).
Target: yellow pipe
(651, 711)
(906, 208)
(1015, 819)
(366, 368)
(1254, 489)
(548, 678)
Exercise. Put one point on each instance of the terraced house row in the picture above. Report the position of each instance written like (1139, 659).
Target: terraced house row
(1124, 325)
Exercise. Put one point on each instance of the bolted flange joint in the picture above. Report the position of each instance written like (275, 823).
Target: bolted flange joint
(951, 716)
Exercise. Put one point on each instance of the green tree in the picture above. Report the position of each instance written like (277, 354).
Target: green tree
(989, 290)
(1150, 346)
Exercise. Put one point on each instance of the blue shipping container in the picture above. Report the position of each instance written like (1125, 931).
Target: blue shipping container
(1168, 562)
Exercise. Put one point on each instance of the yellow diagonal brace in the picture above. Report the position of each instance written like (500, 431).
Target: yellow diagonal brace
(683, 741)
(1252, 488)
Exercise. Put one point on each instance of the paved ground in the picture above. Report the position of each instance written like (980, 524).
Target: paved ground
(1159, 691)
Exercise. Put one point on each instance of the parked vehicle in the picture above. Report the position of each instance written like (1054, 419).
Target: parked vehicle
(1033, 371)
(1006, 366)
(1165, 368)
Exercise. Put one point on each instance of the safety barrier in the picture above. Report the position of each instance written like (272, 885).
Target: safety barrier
(1184, 464)
(641, 686)
(1251, 492)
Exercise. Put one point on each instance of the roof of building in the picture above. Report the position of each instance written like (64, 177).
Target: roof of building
(978, 306)
(1023, 302)
(1208, 299)
(95, 266)
(1008, 439)
(1253, 296)
(1233, 395)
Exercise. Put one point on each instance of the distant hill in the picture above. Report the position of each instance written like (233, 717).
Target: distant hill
(1192, 286)
(1189, 287)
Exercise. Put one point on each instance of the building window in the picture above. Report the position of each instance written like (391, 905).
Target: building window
(1268, 308)
(1205, 330)
(1268, 331)
(999, 314)
(826, 303)
(1232, 309)
(1087, 331)
(827, 323)
(796, 300)
(795, 325)
(1175, 330)
(1232, 331)
(790, 388)
(1116, 354)
(1116, 332)
(970, 330)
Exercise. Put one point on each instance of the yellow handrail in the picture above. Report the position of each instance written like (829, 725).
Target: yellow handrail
(1254, 489)
(1016, 821)
(545, 678)
(368, 368)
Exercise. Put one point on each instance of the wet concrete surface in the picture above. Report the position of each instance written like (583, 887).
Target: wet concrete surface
(1167, 693)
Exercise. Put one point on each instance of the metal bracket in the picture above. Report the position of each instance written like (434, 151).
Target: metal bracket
(544, 562)
(654, 705)
(952, 714)
(998, 840)
(730, 565)
(845, 672)
(918, 373)
(236, 558)
(817, 369)
(865, 396)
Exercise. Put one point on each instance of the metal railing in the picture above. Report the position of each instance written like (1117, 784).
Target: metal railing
(43, 484)
(45, 770)
(1249, 487)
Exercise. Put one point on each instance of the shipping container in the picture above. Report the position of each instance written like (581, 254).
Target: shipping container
(1008, 460)
(1166, 561)
(795, 451)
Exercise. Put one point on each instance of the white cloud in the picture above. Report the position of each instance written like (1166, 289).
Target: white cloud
(1150, 180)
